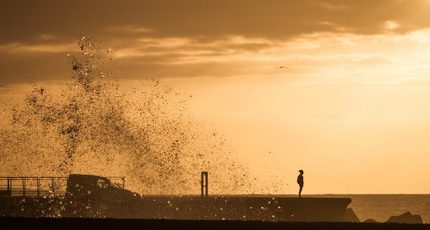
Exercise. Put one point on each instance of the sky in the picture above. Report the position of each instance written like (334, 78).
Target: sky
(337, 88)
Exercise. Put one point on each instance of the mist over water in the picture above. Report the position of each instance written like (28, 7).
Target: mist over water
(95, 125)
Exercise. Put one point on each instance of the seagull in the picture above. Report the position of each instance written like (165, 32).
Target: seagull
(282, 67)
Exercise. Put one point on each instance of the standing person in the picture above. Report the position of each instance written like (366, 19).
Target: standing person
(301, 182)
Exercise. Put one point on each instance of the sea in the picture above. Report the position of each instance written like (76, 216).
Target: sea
(380, 207)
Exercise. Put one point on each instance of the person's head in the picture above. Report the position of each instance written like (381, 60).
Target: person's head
(301, 171)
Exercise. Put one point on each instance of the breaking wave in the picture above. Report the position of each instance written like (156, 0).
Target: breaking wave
(95, 126)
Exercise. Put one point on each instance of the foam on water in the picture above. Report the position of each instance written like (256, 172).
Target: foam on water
(94, 126)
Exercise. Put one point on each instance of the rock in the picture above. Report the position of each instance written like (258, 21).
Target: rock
(350, 216)
(405, 218)
(370, 221)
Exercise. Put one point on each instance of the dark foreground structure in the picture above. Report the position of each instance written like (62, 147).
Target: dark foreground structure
(183, 208)
(90, 196)
(85, 223)
(95, 202)
(100, 202)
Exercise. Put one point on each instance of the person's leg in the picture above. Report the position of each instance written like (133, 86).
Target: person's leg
(300, 191)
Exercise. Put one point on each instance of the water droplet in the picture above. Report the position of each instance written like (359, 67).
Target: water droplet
(91, 119)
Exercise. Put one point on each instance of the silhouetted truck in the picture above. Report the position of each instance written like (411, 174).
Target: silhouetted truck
(100, 197)
(96, 196)
(77, 195)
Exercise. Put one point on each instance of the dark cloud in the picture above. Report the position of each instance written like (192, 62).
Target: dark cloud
(203, 69)
(23, 20)
(32, 68)
(121, 23)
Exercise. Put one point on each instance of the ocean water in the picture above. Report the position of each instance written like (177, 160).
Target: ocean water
(381, 207)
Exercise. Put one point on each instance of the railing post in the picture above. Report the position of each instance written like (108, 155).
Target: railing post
(123, 183)
(8, 184)
(38, 186)
(204, 184)
(52, 185)
(23, 186)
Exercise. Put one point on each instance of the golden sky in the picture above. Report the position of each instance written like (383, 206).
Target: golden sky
(351, 109)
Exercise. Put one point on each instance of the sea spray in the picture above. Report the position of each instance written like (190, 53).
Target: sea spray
(95, 126)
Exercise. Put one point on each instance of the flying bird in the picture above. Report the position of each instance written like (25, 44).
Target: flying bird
(282, 67)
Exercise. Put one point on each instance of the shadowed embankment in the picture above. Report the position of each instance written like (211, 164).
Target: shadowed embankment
(76, 223)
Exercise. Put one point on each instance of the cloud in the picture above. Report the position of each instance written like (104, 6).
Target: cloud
(47, 37)
(191, 37)
(391, 25)
(15, 48)
(271, 19)
(189, 49)
(332, 6)
(325, 54)
(131, 29)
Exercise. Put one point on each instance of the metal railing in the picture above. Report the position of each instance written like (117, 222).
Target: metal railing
(21, 186)
(32, 186)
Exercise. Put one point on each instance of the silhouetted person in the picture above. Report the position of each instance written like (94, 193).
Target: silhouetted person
(301, 182)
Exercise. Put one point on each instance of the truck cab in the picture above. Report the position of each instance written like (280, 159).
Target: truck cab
(97, 196)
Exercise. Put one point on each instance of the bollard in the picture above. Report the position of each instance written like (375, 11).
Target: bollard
(204, 184)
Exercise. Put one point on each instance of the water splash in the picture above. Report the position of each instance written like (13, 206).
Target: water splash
(94, 126)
